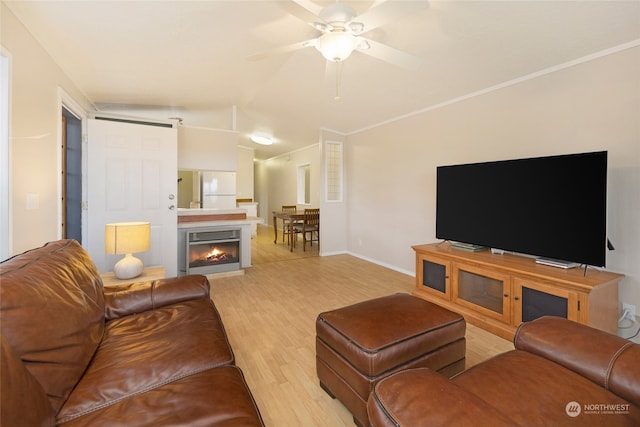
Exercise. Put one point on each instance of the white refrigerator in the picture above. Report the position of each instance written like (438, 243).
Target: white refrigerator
(218, 190)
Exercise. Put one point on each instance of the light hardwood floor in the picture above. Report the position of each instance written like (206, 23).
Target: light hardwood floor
(270, 312)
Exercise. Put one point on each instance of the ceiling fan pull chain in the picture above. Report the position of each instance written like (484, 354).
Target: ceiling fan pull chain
(338, 72)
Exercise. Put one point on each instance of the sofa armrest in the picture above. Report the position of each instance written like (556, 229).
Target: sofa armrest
(422, 396)
(23, 401)
(594, 354)
(124, 300)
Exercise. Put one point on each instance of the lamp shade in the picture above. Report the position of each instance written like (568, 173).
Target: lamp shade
(127, 237)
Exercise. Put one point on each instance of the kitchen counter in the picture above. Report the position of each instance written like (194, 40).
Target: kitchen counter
(213, 217)
(221, 222)
(209, 211)
(210, 214)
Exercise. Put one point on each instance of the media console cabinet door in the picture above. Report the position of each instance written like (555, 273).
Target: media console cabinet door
(433, 276)
(532, 300)
(482, 290)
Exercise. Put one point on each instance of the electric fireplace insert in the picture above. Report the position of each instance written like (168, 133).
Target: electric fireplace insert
(213, 251)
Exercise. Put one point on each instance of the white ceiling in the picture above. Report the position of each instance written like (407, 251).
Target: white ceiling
(161, 59)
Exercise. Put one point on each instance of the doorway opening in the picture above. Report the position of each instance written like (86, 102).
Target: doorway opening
(71, 176)
(5, 163)
(304, 184)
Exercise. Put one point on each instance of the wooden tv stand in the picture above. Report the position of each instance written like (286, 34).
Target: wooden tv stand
(498, 292)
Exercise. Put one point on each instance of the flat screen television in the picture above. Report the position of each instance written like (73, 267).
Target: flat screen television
(553, 207)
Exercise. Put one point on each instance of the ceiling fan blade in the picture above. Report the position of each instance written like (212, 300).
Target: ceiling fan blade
(389, 11)
(305, 10)
(282, 49)
(392, 55)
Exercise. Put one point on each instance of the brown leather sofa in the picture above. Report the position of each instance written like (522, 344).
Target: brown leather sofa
(77, 354)
(561, 373)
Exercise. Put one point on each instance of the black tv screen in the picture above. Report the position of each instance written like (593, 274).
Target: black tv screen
(553, 207)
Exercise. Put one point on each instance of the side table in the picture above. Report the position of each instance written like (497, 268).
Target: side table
(149, 273)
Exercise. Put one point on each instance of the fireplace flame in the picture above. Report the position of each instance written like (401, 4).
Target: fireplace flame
(216, 255)
(207, 255)
(214, 252)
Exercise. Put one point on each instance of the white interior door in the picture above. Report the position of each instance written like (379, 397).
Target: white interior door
(132, 176)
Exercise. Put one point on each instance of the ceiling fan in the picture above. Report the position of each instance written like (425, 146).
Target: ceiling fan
(342, 30)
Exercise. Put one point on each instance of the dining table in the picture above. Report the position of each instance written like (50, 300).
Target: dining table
(287, 218)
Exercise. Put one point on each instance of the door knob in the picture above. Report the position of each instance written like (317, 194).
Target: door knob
(172, 207)
(171, 197)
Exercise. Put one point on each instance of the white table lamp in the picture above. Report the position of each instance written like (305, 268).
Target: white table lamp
(127, 238)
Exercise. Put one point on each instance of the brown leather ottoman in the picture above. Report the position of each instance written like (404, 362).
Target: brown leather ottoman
(362, 343)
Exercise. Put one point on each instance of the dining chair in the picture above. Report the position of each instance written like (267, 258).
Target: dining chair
(287, 227)
(311, 225)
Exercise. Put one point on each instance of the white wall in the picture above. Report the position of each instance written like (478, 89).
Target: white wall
(244, 185)
(207, 149)
(586, 107)
(34, 125)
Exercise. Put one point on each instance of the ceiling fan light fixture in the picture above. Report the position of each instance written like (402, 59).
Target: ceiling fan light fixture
(337, 13)
(320, 26)
(336, 46)
(363, 44)
(356, 27)
(262, 139)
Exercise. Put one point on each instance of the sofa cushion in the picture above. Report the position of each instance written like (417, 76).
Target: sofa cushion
(214, 397)
(512, 381)
(399, 399)
(149, 350)
(52, 314)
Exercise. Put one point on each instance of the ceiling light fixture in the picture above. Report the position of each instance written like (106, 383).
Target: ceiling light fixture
(261, 139)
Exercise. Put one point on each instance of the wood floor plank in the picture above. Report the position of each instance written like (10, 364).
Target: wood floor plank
(270, 312)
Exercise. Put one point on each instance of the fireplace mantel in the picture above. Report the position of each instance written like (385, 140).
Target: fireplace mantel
(201, 215)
